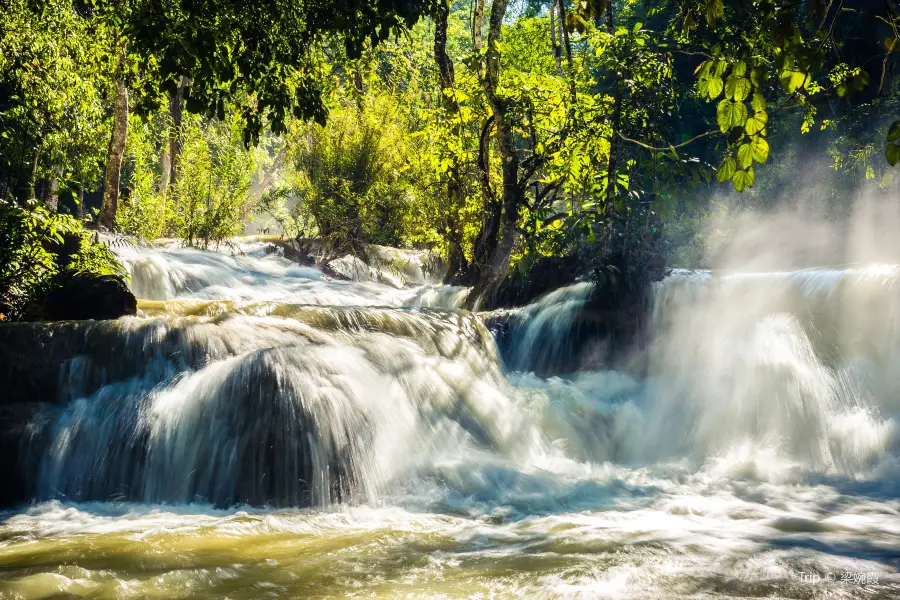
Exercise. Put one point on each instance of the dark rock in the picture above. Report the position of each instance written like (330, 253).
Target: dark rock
(587, 344)
(606, 331)
(82, 296)
(22, 434)
(31, 358)
(527, 283)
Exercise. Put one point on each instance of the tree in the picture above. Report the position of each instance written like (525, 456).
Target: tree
(114, 157)
(262, 56)
(53, 85)
(458, 264)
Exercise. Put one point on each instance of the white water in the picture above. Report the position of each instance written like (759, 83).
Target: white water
(757, 456)
(248, 274)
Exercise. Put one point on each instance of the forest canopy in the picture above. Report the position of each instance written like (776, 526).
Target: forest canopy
(593, 136)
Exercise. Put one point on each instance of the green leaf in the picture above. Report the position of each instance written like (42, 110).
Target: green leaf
(892, 153)
(714, 87)
(737, 88)
(703, 87)
(715, 10)
(792, 80)
(731, 114)
(757, 123)
(723, 115)
(739, 69)
(745, 156)
(894, 132)
(743, 179)
(719, 67)
(758, 77)
(726, 170)
(760, 149)
(758, 103)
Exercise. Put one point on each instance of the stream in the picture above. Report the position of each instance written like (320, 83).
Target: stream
(265, 431)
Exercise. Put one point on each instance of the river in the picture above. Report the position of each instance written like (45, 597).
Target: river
(263, 431)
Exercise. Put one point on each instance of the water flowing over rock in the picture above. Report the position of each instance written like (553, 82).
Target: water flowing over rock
(260, 410)
(755, 436)
(79, 296)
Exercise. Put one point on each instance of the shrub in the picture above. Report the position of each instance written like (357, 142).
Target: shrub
(36, 245)
(352, 177)
(143, 211)
(215, 173)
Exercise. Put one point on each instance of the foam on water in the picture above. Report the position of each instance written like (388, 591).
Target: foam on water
(757, 457)
(248, 272)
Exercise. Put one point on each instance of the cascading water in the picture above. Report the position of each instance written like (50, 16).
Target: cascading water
(755, 456)
(545, 336)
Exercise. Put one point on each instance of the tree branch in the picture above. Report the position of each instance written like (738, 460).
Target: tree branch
(482, 158)
(670, 146)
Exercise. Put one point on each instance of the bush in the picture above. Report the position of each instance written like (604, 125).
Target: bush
(37, 245)
(212, 192)
(143, 212)
(352, 177)
(210, 198)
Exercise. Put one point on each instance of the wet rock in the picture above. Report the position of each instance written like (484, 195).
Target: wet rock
(350, 268)
(82, 296)
(22, 429)
(527, 283)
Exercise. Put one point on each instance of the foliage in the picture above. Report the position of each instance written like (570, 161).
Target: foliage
(37, 244)
(499, 144)
(52, 88)
(892, 150)
(765, 56)
(263, 55)
(213, 189)
(144, 211)
(211, 200)
(351, 176)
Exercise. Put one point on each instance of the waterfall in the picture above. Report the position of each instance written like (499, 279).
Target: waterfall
(238, 386)
(266, 410)
(798, 361)
(547, 335)
(261, 427)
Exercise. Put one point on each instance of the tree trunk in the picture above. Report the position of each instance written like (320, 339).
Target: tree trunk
(358, 79)
(32, 180)
(52, 195)
(557, 51)
(512, 196)
(443, 61)
(478, 24)
(176, 110)
(114, 158)
(564, 33)
(165, 169)
(457, 260)
(611, 212)
(79, 208)
(486, 240)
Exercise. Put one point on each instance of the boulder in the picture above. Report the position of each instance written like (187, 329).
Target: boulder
(350, 268)
(82, 296)
(23, 426)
